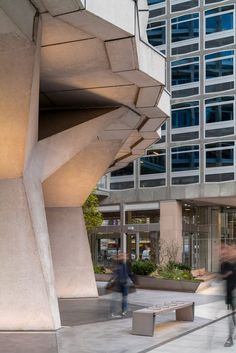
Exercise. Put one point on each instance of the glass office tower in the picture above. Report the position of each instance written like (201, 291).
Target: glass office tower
(194, 162)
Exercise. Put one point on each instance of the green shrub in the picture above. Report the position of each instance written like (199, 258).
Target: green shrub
(178, 265)
(176, 274)
(143, 267)
(99, 269)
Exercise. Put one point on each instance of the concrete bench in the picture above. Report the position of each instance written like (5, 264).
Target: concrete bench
(144, 319)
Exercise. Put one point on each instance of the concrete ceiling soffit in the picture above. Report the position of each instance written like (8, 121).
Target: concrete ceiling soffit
(73, 58)
(129, 120)
(136, 61)
(39, 5)
(57, 7)
(52, 152)
(16, 22)
(52, 122)
(136, 150)
(123, 128)
(162, 108)
(104, 19)
(142, 145)
(70, 185)
(55, 31)
(148, 96)
(219, 201)
(149, 128)
(117, 166)
(164, 103)
(94, 98)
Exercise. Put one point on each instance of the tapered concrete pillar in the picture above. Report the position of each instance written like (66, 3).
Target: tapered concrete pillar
(171, 239)
(27, 296)
(65, 191)
(71, 256)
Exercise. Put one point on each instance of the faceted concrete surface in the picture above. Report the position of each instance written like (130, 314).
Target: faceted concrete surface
(88, 327)
(98, 77)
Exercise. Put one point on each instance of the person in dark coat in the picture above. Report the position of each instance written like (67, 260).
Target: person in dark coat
(120, 284)
(228, 273)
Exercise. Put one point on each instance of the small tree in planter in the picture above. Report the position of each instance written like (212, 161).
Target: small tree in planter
(168, 251)
(92, 216)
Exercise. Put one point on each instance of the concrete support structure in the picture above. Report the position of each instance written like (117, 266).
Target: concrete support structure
(71, 256)
(171, 227)
(102, 93)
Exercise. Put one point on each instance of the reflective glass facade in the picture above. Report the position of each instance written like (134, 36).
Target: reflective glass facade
(198, 39)
(185, 71)
(185, 27)
(218, 21)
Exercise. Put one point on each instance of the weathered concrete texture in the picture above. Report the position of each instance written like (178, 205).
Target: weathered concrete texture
(18, 56)
(78, 70)
(72, 183)
(26, 295)
(74, 275)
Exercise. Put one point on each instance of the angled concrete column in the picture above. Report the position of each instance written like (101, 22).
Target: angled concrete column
(65, 191)
(27, 296)
(171, 228)
(70, 252)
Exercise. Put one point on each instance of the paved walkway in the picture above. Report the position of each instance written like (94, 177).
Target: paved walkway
(88, 327)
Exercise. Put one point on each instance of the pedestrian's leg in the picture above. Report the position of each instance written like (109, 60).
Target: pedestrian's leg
(124, 299)
(114, 304)
(231, 324)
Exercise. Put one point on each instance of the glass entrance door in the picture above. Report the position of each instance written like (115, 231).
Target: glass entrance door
(195, 250)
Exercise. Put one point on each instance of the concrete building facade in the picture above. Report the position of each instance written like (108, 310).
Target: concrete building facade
(82, 93)
(190, 172)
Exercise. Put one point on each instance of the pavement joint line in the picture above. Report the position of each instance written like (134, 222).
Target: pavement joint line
(146, 350)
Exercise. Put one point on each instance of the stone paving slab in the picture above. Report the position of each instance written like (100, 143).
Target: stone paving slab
(28, 342)
(207, 339)
(88, 328)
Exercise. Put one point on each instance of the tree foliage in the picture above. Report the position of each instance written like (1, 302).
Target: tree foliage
(92, 216)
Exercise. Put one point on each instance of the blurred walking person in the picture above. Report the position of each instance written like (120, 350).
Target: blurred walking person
(228, 273)
(119, 284)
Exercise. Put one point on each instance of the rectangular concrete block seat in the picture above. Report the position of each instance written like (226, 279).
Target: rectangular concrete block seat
(144, 319)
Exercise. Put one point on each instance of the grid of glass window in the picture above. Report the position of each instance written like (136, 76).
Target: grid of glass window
(219, 161)
(153, 2)
(219, 116)
(153, 168)
(219, 19)
(123, 178)
(219, 71)
(185, 27)
(154, 163)
(220, 154)
(185, 71)
(157, 33)
(185, 114)
(219, 64)
(183, 5)
(185, 158)
(217, 112)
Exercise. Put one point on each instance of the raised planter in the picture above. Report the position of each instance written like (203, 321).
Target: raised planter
(103, 277)
(147, 282)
